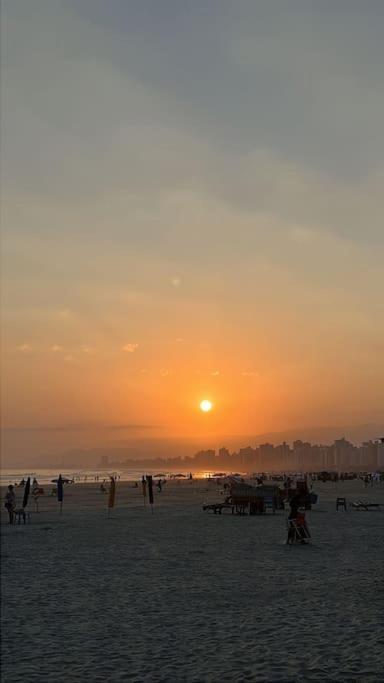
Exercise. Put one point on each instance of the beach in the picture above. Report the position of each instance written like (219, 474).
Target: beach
(183, 595)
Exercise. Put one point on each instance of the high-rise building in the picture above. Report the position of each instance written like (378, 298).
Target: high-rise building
(224, 455)
(266, 453)
(368, 455)
(345, 454)
(380, 454)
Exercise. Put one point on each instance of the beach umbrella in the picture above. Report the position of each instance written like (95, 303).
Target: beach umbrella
(26, 492)
(144, 488)
(60, 492)
(112, 494)
(150, 490)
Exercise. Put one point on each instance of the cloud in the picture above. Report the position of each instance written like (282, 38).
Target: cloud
(24, 348)
(130, 347)
(86, 349)
(80, 427)
(249, 373)
(56, 348)
(68, 358)
(215, 373)
(302, 235)
(64, 314)
(175, 281)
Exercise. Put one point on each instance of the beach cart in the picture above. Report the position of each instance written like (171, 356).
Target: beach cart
(255, 500)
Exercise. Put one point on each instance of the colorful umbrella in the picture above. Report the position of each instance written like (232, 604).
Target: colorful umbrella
(26, 492)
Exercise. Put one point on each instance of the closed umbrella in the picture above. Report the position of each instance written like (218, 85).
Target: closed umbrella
(150, 490)
(26, 492)
(112, 494)
(60, 492)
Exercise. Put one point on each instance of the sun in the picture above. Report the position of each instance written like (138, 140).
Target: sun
(206, 406)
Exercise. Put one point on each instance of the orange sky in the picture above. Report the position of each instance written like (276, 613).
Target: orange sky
(169, 238)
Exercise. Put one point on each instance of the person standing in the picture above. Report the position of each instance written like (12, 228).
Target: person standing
(294, 504)
(10, 502)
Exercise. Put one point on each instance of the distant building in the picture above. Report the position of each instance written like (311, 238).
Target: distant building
(266, 456)
(302, 455)
(224, 454)
(345, 454)
(247, 456)
(380, 454)
(282, 458)
(369, 455)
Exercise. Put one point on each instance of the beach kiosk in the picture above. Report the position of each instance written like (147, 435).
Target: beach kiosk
(255, 500)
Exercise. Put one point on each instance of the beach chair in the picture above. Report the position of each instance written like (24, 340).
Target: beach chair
(362, 505)
(217, 508)
(298, 531)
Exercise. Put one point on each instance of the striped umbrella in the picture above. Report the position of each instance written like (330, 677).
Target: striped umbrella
(26, 492)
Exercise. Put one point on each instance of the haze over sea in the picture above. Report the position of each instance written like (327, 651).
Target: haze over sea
(45, 476)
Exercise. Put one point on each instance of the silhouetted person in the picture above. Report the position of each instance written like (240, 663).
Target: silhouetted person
(10, 502)
(294, 504)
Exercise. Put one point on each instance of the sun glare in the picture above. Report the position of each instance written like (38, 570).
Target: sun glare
(206, 406)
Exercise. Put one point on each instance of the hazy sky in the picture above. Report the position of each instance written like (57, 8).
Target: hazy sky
(192, 208)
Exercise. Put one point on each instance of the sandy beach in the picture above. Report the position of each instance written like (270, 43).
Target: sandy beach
(183, 595)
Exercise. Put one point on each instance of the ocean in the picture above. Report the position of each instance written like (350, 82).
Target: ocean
(45, 476)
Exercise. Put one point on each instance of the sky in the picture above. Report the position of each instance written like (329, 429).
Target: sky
(192, 208)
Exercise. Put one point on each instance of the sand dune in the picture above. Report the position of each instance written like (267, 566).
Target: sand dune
(187, 596)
